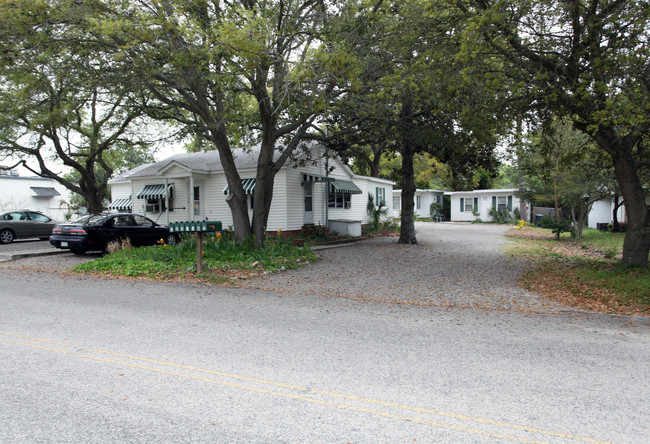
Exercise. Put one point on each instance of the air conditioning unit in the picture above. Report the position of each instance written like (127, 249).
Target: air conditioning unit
(152, 208)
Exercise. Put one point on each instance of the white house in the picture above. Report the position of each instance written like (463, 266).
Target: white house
(33, 193)
(465, 203)
(193, 186)
(602, 212)
(422, 200)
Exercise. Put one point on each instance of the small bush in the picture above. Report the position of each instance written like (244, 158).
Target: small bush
(500, 216)
(220, 252)
(557, 227)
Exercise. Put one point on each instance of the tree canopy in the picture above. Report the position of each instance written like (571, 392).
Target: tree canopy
(589, 61)
(58, 103)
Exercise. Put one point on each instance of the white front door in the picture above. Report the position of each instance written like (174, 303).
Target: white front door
(307, 188)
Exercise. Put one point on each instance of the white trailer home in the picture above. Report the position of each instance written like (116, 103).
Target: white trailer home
(465, 203)
(602, 213)
(422, 200)
(192, 186)
(46, 196)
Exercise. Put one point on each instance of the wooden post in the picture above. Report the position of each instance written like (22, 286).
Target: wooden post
(199, 252)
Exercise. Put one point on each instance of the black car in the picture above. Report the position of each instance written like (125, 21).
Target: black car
(98, 232)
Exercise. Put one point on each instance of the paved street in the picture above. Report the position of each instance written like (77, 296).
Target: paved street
(91, 360)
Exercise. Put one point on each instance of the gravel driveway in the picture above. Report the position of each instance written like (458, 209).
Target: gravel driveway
(454, 264)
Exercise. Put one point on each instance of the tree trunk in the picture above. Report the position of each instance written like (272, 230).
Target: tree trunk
(616, 227)
(636, 245)
(237, 198)
(263, 192)
(94, 202)
(407, 229)
(375, 163)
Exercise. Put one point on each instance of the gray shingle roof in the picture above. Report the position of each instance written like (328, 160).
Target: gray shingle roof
(207, 161)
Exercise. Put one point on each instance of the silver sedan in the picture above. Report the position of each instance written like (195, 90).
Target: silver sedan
(22, 224)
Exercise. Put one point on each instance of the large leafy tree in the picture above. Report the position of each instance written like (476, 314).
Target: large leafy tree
(565, 164)
(221, 69)
(588, 60)
(58, 104)
(412, 98)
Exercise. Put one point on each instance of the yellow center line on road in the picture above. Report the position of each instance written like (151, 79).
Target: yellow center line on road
(78, 352)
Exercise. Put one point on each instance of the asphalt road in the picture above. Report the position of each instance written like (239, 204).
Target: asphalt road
(94, 361)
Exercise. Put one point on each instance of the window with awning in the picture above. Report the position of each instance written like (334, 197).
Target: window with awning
(45, 192)
(344, 186)
(313, 178)
(121, 205)
(155, 192)
(247, 184)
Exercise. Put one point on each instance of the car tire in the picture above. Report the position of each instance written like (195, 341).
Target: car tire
(172, 239)
(108, 248)
(78, 251)
(6, 236)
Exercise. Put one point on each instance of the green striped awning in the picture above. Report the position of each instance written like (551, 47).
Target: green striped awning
(248, 184)
(345, 186)
(155, 192)
(313, 178)
(121, 204)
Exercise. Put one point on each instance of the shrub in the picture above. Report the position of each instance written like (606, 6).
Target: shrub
(563, 226)
(376, 212)
(500, 216)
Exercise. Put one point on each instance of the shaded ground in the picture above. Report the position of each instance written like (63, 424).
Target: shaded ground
(559, 274)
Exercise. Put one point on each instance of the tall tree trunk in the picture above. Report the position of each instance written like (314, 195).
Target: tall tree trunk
(636, 245)
(263, 192)
(407, 229)
(237, 198)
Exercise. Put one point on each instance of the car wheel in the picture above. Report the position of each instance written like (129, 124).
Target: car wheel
(172, 239)
(6, 236)
(78, 251)
(112, 245)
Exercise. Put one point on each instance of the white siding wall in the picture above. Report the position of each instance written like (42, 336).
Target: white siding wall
(484, 204)
(121, 190)
(427, 197)
(369, 185)
(397, 203)
(602, 212)
(284, 194)
(456, 213)
(15, 193)
(287, 208)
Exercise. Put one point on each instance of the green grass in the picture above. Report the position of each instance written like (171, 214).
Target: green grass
(610, 244)
(628, 284)
(583, 271)
(221, 258)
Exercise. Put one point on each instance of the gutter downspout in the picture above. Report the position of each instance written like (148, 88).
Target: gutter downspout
(327, 186)
(166, 201)
(190, 206)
